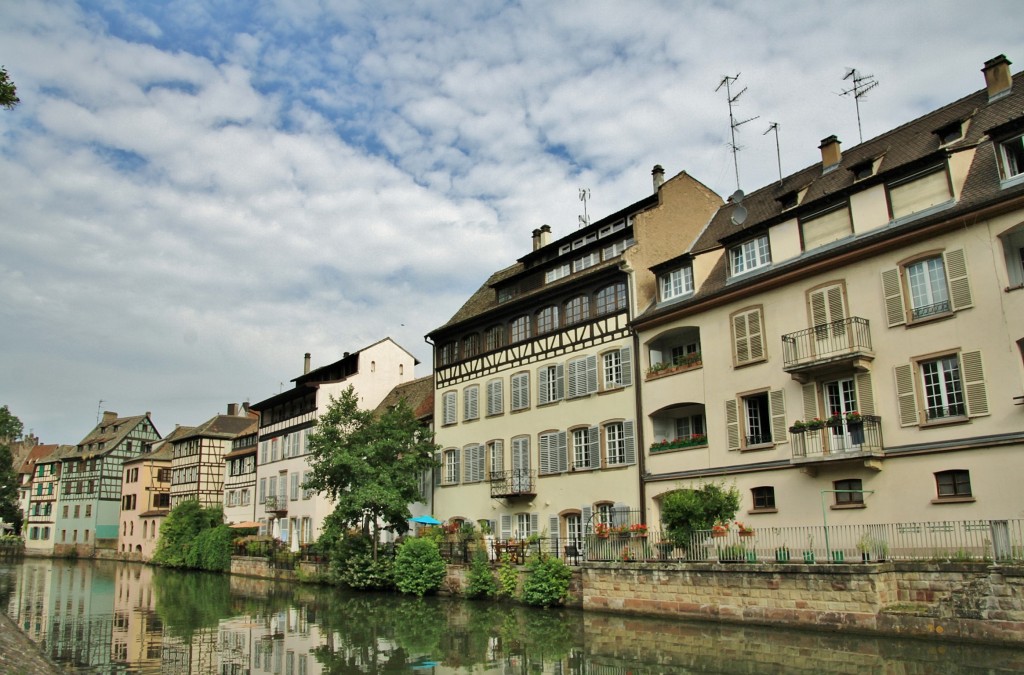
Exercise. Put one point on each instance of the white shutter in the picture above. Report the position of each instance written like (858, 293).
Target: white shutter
(575, 368)
(892, 290)
(587, 513)
(544, 450)
(534, 523)
(626, 357)
(458, 465)
(506, 526)
(520, 391)
(959, 284)
(471, 402)
(732, 424)
(553, 533)
(974, 384)
(591, 375)
(495, 405)
(905, 395)
(542, 385)
(777, 407)
(629, 441)
(450, 410)
(594, 447)
(561, 452)
(810, 397)
(559, 382)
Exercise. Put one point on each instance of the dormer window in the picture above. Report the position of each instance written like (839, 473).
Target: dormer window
(556, 273)
(920, 191)
(750, 255)
(676, 283)
(1011, 155)
(863, 170)
(953, 131)
(789, 200)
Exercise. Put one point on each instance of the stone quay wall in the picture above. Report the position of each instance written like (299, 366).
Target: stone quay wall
(969, 601)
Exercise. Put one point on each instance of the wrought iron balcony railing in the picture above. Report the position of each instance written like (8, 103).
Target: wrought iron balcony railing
(826, 342)
(515, 483)
(843, 440)
(277, 504)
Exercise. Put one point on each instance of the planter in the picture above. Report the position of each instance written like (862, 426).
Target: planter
(856, 430)
(809, 557)
(782, 555)
(747, 534)
(718, 535)
(837, 557)
(640, 535)
(797, 430)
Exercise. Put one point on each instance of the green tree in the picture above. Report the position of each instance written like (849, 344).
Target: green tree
(180, 534)
(547, 581)
(8, 94)
(419, 568)
(370, 465)
(10, 430)
(685, 512)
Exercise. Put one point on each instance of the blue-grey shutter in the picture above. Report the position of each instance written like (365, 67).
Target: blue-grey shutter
(542, 386)
(438, 468)
(506, 526)
(577, 370)
(562, 452)
(458, 465)
(594, 447)
(587, 514)
(554, 536)
(629, 441)
(534, 523)
(626, 358)
(591, 385)
(559, 382)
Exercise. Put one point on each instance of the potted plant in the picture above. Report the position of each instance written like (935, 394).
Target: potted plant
(816, 423)
(622, 531)
(638, 530)
(798, 427)
(602, 530)
(719, 529)
(834, 420)
(745, 530)
(782, 554)
(855, 425)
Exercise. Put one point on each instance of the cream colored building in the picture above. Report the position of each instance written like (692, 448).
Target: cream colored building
(886, 283)
(198, 465)
(535, 384)
(283, 508)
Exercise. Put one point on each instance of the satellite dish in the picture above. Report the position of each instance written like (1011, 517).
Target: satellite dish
(739, 215)
(736, 197)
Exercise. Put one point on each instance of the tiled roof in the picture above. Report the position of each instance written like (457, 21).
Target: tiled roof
(110, 434)
(37, 453)
(418, 394)
(222, 426)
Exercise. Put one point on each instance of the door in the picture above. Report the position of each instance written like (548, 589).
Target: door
(828, 314)
(841, 398)
(520, 465)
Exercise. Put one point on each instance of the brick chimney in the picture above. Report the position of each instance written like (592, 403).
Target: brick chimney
(232, 409)
(108, 417)
(305, 364)
(658, 174)
(998, 80)
(830, 152)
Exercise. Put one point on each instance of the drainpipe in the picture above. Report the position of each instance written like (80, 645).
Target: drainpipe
(640, 445)
(433, 371)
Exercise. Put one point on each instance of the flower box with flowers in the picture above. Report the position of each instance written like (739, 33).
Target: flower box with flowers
(719, 530)
(638, 530)
(679, 364)
(691, 441)
(744, 530)
(622, 531)
(602, 530)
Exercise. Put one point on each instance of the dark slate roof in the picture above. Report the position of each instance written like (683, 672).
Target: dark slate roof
(161, 454)
(105, 432)
(903, 150)
(418, 394)
(222, 426)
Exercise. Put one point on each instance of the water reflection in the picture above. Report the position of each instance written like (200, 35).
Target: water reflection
(110, 617)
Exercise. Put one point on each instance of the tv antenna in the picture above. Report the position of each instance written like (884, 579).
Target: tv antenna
(733, 124)
(99, 407)
(584, 196)
(774, 126)
(862, 84)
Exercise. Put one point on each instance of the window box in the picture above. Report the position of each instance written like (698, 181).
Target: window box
(697, 440)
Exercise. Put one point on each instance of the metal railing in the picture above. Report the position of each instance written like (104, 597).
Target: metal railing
(826, 341)
(276, 504)
(514, 483)
(839, 440)
(930, 310)
(948, 540)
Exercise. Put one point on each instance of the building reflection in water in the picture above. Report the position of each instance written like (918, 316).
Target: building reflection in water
(115, 617)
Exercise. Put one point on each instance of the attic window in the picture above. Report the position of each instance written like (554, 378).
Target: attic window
(953, 131)
(788, 200)
(863, 170)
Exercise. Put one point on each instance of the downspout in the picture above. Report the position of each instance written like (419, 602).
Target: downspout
(433, 373)
(640, 445)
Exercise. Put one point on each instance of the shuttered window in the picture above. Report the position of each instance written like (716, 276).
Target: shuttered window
(551, 384)
(475, 460)
(471, 402)
(449, 407)
(520, 391)
(748, 336)
(948, 387)
(495, 397)
(928, 287)
(582, 376)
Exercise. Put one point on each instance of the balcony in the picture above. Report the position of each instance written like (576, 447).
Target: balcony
(276, 504)
(845, 343)
(513, 484)
(843, 440)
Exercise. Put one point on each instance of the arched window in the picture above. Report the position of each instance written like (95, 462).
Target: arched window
(547, 320)
(577, 310)
(494, 338)
(470, 345)
(611, 299)
(520, 329)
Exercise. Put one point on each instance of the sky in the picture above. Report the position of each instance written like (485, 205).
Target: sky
(197, 192)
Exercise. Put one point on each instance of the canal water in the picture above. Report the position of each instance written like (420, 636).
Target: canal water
(115, 617)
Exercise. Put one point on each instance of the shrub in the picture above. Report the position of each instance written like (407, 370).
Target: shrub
(419, 568)
(352, 564)
(685, 512)
(547, 581)
(480, 580)
(508, 578)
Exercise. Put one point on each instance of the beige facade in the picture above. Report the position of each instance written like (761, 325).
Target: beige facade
(198, 457)
(535, 381)
(880, 292)
(240, 479)
(146, 499)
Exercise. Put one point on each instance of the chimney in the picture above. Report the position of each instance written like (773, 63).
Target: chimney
(830, 152)
(108, 417)
(997, 77)
(658, 172)
(232, 409)
(536, 239)
(305, 364)
(545, 235)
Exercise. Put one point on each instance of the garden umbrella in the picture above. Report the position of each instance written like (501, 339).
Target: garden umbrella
(426, 520)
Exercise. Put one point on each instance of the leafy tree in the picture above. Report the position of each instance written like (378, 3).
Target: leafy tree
(480, 581)
(419, 568)
(546, 582)
(370, 465)
(685, 512)
(10, 430)
(180, 533)
(8, 96)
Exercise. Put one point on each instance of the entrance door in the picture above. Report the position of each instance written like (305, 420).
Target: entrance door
(841, 398)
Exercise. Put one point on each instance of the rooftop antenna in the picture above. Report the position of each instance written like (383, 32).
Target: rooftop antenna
(584, 196)
(774, 126)
(862, 84)
(99, 407)
(733, 124)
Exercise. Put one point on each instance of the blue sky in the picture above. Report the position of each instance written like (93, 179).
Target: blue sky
(198, 192)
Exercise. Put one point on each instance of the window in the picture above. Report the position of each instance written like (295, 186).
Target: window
(552, 451)
(617, 368)
(611, 299)
(526, 524)
(556, 273)
(577, 310)
(520, 391)
(470, 345)
(748, 336)
(689, 426)
(757, 418)
(953, 484)
(750, 255)
(825, 227)
(952, 387)
(551, 384)
(616, 249)
(446, 355)
(585, 449)
(574, 531)
(294, 492)
(848, 492)
(619, 443)
(605, 514)
(1013, 251)
(476, 463)
(932, 286)
(495, 458)
(586, 261)
(449, 407)
(764, 498)
(582, 376)
(494, 338)
(451, 466)
(676, 283)
(471, 402)
(1012, 157)
(547, 320)
(495, 396)
(520, 329)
